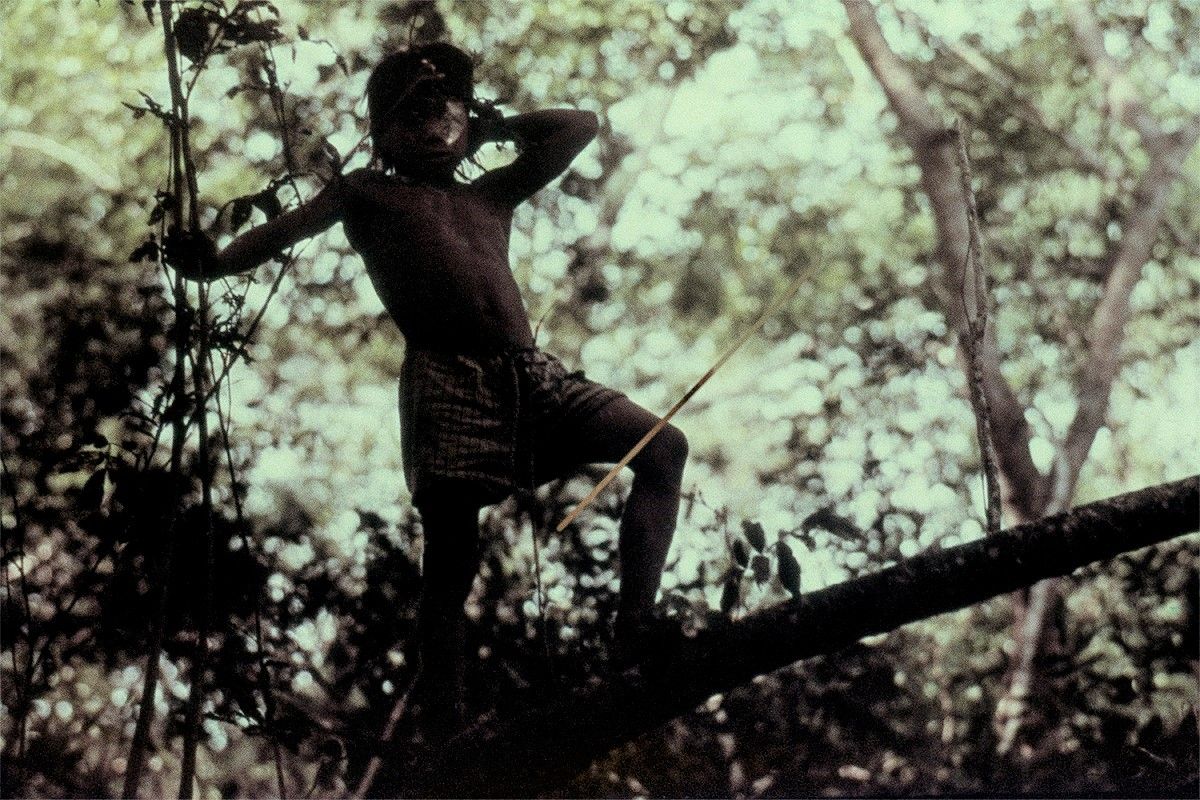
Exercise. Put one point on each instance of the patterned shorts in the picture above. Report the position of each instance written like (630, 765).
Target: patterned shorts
(483, 420)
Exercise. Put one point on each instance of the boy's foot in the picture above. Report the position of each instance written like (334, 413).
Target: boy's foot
(435, 725)
(643, 639)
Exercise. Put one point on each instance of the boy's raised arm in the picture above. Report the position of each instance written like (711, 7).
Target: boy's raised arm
(195, 256)
(550, 140)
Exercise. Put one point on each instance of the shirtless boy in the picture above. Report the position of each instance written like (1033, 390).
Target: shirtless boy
(483, 412)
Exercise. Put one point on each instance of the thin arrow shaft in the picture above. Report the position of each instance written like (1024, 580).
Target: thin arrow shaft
(770, 311)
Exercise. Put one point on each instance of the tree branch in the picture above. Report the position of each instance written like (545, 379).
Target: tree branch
(1106, 331)
(975, 289)
(1122, 97)
(935, 153)
(536, 750)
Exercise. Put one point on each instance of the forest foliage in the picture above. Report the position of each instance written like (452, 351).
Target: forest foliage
(741, 145)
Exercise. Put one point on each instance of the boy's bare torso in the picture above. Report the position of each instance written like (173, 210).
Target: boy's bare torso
(438, 258)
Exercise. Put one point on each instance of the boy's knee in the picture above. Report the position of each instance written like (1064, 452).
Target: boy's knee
(665, 456)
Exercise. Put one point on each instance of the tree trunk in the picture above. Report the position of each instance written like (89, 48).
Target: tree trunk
(537, 750)
(1027, 493)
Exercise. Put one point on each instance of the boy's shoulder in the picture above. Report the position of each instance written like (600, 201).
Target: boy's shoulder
(366, 186)
(370, 179)
(363, 176)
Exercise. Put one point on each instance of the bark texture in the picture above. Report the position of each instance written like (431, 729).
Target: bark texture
(535, 751)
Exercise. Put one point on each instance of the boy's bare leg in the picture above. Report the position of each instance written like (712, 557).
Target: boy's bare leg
(450, 562)
(653, 503)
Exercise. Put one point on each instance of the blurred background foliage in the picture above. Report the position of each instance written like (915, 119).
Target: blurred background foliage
(741, 143)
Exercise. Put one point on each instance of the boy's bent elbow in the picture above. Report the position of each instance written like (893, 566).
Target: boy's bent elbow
(586, 123)
(589, 121)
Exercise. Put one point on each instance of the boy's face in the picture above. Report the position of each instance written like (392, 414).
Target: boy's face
(427, 131)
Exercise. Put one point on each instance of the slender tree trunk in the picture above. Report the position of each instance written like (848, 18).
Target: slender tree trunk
(161, 574)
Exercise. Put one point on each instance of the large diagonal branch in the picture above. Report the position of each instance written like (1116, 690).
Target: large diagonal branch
(534, 751)
(934, 151)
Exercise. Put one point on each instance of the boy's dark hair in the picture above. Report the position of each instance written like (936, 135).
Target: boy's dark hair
(396, 75)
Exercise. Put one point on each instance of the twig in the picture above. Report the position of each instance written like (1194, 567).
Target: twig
(162, 570)
(389, 729)
(196, 690)
(975, 314)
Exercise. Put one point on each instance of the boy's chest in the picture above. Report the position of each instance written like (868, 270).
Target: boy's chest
(453, 218)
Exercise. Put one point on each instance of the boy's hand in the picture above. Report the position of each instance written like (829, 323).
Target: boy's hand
(487, 125)
(191, 252)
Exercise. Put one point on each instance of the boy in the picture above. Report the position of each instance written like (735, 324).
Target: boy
(483, 412)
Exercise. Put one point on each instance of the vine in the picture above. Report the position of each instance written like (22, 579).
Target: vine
(196, 32)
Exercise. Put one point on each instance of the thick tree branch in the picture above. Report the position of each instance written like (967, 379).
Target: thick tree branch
(935, 154)
(529, 753)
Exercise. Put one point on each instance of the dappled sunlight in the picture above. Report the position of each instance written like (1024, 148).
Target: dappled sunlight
(741, 147)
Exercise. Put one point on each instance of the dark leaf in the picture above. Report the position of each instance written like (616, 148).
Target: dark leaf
(332, 156)
(789, 568)
(92, 492)
(302, 32)
(163, 202)
(266, 202)
(148, 7)
(95, 439)
(755, 534)
(146, 251)
(248, 32)
(240, 212)
(151, 104)
(741, 556)
(732, 591)
(761, 566)
(192, 33)
(836, 524)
